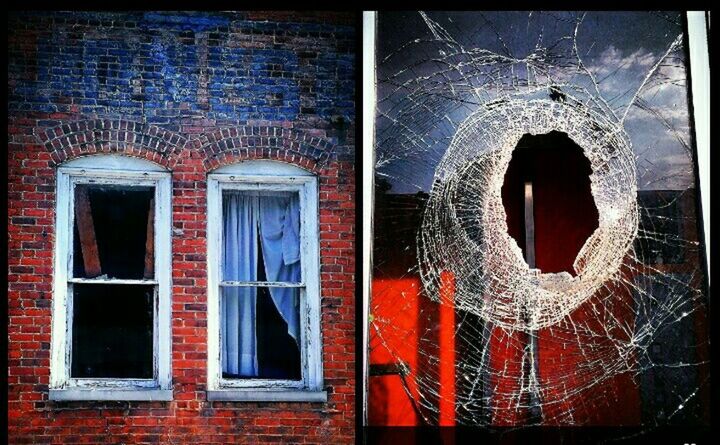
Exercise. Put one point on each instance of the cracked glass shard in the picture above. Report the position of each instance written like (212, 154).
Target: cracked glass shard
(611, 325)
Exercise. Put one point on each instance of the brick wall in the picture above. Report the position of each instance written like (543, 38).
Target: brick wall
(191, 91)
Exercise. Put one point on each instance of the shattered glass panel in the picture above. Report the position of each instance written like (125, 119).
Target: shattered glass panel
(612, 327)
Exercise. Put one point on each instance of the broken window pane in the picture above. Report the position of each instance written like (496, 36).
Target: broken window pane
(113, 232)
(112, 331)
(663, 212)
(481, 338)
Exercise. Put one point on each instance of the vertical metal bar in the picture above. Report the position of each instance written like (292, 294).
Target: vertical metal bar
(535, 414)
(529, 226)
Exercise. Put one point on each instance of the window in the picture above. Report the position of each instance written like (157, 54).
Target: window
(585, 258)
(111, 307)
(263, 278)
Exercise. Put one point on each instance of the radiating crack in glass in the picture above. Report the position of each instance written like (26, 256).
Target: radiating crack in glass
(451, 110)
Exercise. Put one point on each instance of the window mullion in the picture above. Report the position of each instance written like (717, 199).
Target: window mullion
(111, 281)
(260, 284)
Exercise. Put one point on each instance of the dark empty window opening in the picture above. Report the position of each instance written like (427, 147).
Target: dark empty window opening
(114, 232)
(112, 321)
(112, 333)
(549, 176)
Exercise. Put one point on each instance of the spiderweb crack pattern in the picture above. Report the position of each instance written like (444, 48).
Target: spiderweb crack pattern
(461, 111)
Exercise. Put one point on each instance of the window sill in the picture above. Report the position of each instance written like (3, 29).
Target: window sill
(148, 395)
(259, 395)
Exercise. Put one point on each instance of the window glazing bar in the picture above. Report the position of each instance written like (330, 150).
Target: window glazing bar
(260, 284)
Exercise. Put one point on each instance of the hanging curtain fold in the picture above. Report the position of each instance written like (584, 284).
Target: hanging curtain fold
(280, 232)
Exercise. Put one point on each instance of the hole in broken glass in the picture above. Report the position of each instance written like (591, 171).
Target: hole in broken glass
(549, 206)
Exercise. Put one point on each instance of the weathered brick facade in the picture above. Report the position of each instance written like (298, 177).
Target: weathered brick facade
(190, 91)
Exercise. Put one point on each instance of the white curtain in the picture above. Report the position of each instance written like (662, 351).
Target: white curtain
(240, 254)
(278, 219)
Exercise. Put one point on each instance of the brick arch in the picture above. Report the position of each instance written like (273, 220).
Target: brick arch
(230, 145)
(93, 136)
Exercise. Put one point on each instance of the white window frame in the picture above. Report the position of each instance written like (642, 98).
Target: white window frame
(261, 175)
(118, 170)
(698, 48)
